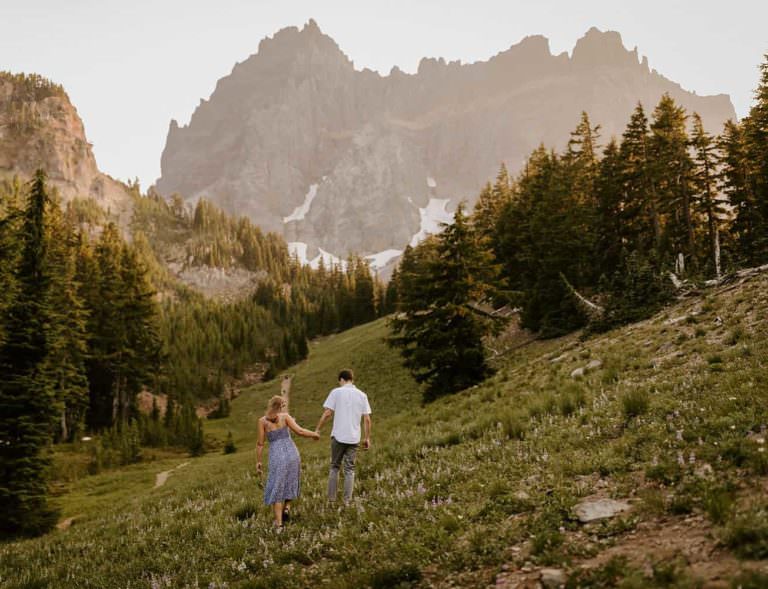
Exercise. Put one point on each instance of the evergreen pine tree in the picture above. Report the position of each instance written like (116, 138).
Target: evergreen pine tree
(66, 359)
(671, 170)
(364, 294)
(736, 182)
(489, 206)
(439, 330)
(610, 223)
(756, 144)
(27, 393)
(706, 200)
(640, 203)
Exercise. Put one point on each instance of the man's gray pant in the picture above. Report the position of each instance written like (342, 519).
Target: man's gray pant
(346, 454)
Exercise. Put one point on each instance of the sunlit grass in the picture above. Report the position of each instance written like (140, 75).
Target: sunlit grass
(447, 490)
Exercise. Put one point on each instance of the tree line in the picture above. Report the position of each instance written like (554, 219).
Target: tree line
(594, 236)
(213, 341)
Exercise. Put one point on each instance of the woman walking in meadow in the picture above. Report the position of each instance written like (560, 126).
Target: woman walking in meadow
(284, 476)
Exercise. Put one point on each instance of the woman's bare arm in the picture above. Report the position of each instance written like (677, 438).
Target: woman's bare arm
(300, 431)
(260, 445)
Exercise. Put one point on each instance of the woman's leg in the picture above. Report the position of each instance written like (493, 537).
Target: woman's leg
(278, 508)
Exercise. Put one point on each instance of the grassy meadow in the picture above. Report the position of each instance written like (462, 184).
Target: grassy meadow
(473, 490)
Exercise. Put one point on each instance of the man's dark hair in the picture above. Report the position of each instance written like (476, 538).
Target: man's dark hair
(347, 375)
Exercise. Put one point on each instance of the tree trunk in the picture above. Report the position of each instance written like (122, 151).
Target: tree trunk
(64, 429)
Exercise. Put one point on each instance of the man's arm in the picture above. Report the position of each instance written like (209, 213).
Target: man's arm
(323, 418)
(368, 427)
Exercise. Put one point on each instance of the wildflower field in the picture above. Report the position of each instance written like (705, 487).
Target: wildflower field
(478, 489)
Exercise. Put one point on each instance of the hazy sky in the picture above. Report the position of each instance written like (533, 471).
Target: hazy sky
(130, 66)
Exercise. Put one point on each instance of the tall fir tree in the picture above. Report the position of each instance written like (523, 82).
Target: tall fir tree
(489, 206)
(364, 292)
(27, 393)
(439, 329)
(640, 202)
(706, 200)
(736, 182)
(610, 224)
(581, 169)
(756, 143)
(671, 170)
(10, 216)
(66, 360)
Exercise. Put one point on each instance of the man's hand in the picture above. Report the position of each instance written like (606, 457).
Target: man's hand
(366, 443)
(316, 435)
(258, 468)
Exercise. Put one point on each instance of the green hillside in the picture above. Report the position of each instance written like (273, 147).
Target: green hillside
(476, 489)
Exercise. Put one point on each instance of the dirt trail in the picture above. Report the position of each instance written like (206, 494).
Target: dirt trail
(162, 477)
(285, 390)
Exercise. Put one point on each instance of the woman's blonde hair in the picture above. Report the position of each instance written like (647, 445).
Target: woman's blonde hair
(275, 404)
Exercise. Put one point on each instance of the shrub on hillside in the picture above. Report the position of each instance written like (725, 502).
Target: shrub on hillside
(747, 535)
(229, 446)
(404, 575)
(634, 403)
(635, 292)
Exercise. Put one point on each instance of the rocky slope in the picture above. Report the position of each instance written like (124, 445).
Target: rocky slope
(40, 128)
(347, 160)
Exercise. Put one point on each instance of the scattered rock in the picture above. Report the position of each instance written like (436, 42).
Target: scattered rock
(553, 578)
(676, 320)
(593, 510)
(581, 371)
(560, 358)
(601, 484)
(522, 496)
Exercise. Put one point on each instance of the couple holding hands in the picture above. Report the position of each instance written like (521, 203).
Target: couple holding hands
(347, 405)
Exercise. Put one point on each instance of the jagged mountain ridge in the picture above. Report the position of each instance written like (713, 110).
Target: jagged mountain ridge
(348, 160)
(40, 128)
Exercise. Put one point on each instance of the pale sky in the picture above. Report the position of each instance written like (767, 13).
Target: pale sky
(130, 66)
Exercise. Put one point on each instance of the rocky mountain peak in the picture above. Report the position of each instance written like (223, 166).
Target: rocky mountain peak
(40, 128)
(340, 160)
(291, 45)
(602, 48)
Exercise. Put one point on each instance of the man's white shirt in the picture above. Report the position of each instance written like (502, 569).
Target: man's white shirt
(348, 404)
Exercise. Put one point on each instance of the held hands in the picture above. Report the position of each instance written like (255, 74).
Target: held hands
(315, 435)
(258, 468)
(366, 443)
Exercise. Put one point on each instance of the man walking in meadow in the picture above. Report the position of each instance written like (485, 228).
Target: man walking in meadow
(347, 404)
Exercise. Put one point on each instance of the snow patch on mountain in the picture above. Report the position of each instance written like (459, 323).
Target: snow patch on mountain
(378, 261)
(431, 216)
(299, 249)
(328, 260)
(301, 211)
(431, 183)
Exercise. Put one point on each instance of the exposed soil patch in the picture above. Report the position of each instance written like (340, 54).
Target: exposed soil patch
(689, 541)
(66, 523)
(162, 477)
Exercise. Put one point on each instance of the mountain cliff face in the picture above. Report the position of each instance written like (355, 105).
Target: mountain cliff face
(40, 128)
(350, 161)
